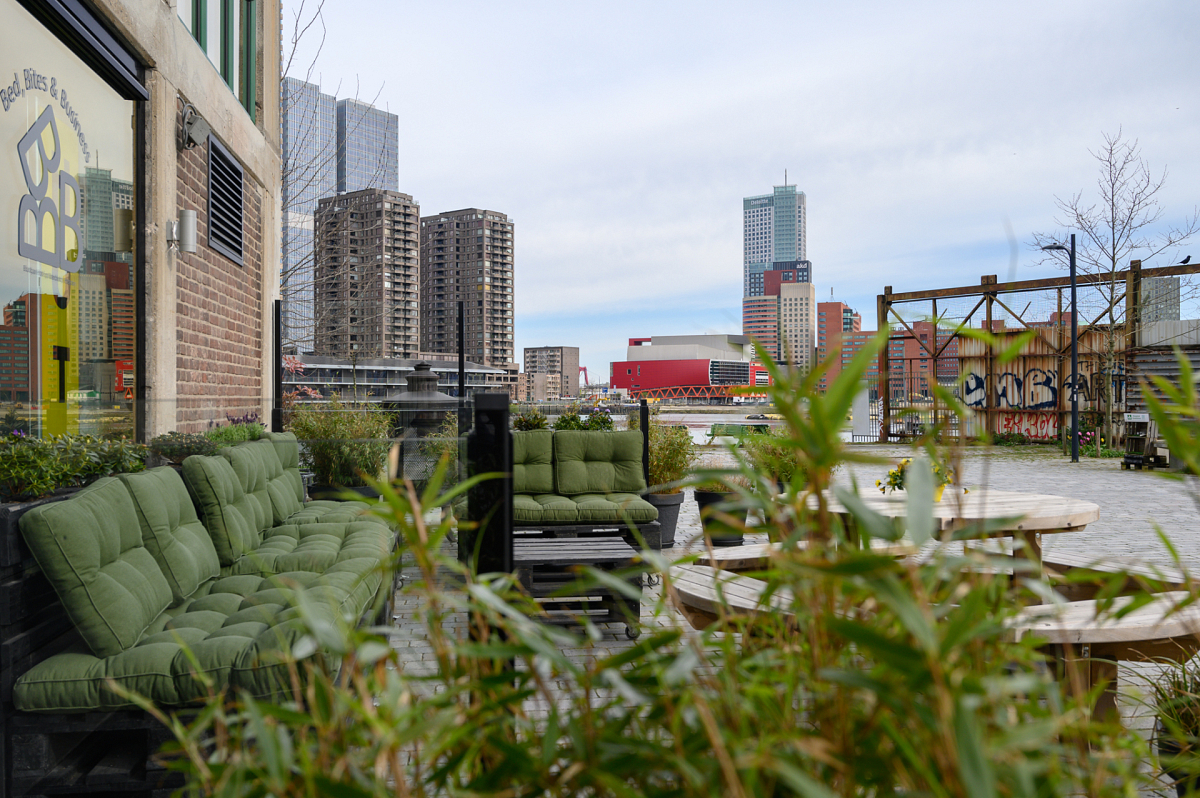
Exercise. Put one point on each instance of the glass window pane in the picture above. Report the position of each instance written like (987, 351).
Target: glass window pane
(184, 8)
(67, 280)
(214, 32)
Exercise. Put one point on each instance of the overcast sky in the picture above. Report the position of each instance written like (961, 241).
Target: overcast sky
(622, 136)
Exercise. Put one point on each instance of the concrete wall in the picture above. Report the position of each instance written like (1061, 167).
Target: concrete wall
(209, 322)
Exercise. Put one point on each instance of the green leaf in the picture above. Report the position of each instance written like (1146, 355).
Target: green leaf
(973, 763)
(918, 484)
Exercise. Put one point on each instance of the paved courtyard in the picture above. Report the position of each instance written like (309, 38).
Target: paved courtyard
(1131, 504)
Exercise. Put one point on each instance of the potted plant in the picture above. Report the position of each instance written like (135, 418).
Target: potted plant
(771, 455)
(175, 447)
(672, 453)
(943, 475)
(341, 445)
(530, 420)
(709, 495)
(1176, 694)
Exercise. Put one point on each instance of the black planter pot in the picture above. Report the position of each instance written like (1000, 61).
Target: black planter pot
(720, 533)
(334, 491)
(668, 505)
(12, 547)
(1168, 748)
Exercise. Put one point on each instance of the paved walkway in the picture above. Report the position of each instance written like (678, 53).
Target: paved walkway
(1131, 504)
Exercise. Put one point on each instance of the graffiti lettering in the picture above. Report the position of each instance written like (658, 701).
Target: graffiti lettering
(1042, 426)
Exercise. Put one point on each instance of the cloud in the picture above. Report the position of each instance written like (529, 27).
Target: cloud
(622, 137)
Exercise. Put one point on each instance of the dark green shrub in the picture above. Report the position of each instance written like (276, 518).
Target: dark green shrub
(342, 445)
(570, 420)
(31, 468)
(599, 420)
(530, 420)
(178, 446)
(233, 434)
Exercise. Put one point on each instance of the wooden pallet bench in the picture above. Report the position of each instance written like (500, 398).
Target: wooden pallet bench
(697, 591)
(1074, 632)
(1065, 567)
(549, 566)
(757, 556)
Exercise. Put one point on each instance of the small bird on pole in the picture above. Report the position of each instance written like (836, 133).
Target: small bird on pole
(1185, 260)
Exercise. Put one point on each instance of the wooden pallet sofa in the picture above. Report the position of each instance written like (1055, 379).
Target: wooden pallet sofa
(144, 580)
(571, 483)
(565, 499)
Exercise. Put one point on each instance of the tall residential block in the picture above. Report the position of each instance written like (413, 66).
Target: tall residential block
(763, 318)
(467, 256)
(329, 146)
(836, 321)
(558, 360)
(797, 324)
(367, 275)
(774, 237)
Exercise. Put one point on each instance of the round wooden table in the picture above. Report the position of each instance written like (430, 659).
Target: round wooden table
(1004, 513)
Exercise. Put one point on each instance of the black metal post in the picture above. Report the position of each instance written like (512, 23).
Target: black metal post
(1075, 364)
(644, 424)
(277, 382)
(489, 450)
(461, 393)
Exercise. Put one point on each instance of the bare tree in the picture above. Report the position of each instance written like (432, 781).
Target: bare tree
(1121, 223)
(309, 172)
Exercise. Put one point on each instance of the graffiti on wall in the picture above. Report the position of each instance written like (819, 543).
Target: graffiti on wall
(1031, 425)
(1037, 389)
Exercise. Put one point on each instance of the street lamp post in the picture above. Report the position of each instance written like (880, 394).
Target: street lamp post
(1074, 352)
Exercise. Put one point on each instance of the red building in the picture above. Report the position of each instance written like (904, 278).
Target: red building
(699, 369)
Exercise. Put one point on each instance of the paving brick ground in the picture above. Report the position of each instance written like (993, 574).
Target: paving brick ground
(1131, 504)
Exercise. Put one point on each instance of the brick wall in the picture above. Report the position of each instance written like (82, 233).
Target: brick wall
(219, 366)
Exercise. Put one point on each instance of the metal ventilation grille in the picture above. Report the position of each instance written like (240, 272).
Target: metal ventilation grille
(225, 202)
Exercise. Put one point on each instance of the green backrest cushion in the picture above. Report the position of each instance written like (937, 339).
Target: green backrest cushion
(287, 449)
(598, 462)
(90, 550)
(533, 468)
(233, 519)
(171, 530)
(263, 477)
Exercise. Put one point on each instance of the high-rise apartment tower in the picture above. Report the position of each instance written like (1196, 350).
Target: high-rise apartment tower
(367, 275)
(329, 146)
(774, 237)
(559, 360)
(467, 256)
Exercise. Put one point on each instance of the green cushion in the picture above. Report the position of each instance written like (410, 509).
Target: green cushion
(614, 508)
(598, 462)
(256, 465)
(171, 531)
(287, 490)
(533, 471)
(234, 520)
(544, 508)
(90, 549)
(315, 547)
(232, 630)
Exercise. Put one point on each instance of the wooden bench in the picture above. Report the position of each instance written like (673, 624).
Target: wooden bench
(1074, 633)
(697, 591)
(1064, 569)
(757, 556)
(550, 566)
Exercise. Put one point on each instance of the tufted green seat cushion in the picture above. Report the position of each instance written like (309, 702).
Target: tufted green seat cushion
(234, 519)
(614, 507)
(90, 550)
(262, 476)
(544, 508)
(533, 468)
(588, 462)
(315, 547)
(171, 531)
(552, 510)
(287, 489)
(232, 630)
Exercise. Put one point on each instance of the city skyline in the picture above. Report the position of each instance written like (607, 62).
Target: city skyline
(920, 135)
